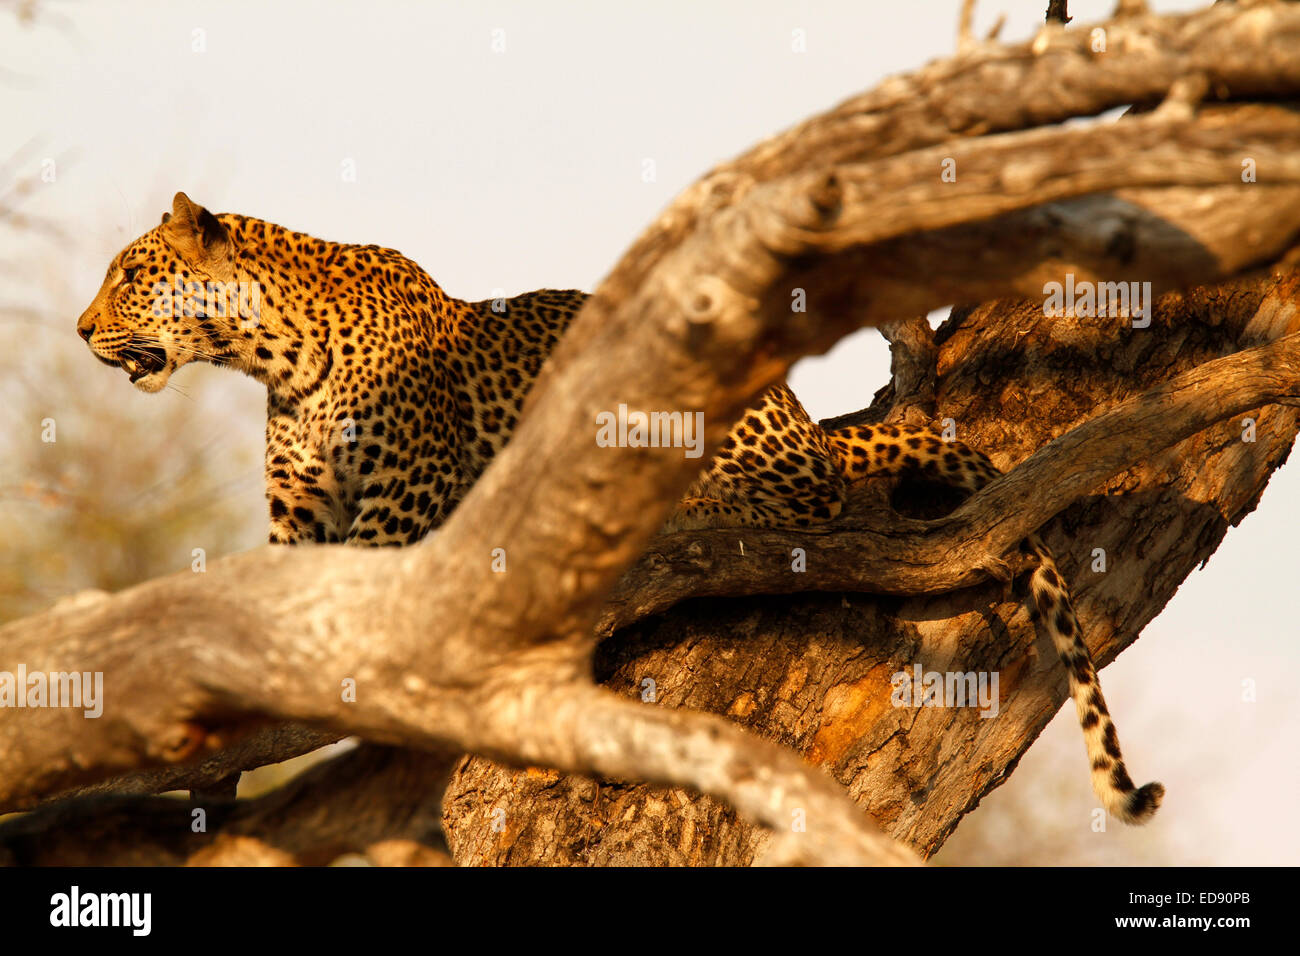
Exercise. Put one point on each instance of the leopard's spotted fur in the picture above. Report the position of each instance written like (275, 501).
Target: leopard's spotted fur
(386, 399)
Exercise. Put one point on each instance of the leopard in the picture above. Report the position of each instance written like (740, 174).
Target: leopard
(387, 398)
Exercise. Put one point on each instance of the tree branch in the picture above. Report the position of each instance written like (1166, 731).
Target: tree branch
(913, 355)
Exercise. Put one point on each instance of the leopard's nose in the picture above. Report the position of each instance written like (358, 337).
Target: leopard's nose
(86, 322)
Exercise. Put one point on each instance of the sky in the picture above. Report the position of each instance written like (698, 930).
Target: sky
(506, 147)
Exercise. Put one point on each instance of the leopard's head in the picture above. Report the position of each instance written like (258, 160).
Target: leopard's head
(156, 310)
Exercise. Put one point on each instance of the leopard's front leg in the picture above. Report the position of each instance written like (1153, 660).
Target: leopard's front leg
(302, 490)
(406, 489)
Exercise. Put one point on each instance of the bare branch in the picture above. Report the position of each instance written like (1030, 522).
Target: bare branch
(913, 354)
(1058, 11)
(266, 745)
(965, 26)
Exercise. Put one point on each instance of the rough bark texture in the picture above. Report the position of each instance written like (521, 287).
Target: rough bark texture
(449, 657)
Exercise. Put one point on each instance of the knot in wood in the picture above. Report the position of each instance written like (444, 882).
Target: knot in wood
(827, 199)
(704, 301)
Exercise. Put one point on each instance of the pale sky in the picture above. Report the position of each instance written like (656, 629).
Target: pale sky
(523, 168)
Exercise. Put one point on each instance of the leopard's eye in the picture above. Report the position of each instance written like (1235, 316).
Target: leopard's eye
(130, 273)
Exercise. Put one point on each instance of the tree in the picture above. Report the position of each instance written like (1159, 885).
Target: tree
(1129, 441)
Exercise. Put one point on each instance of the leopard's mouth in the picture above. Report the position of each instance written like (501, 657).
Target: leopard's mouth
(141, 360)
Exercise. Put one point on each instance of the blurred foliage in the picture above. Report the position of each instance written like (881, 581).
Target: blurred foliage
(128, 487)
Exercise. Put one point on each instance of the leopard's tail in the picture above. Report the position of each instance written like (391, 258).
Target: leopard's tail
(883, 450)
(1110, 779)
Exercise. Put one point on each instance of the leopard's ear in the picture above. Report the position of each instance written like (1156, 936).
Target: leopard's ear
(199, 237)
